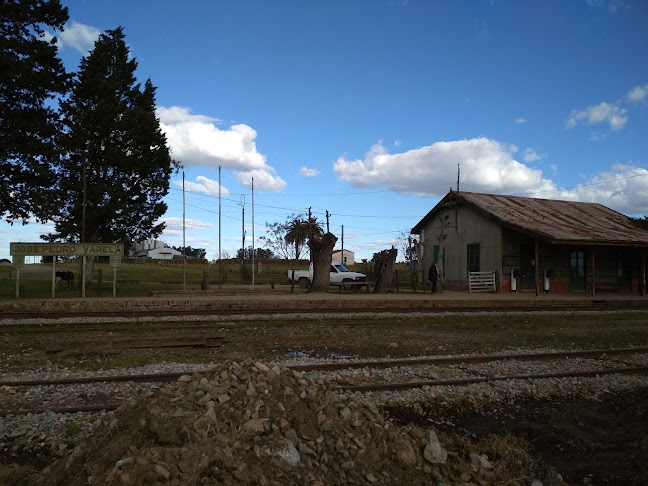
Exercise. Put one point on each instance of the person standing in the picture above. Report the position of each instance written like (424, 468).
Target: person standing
(433, 275)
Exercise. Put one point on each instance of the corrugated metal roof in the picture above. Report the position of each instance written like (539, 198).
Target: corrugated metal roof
(554, 220)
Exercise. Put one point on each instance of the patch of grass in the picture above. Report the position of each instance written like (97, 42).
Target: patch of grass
(72, 429)
(140, 279)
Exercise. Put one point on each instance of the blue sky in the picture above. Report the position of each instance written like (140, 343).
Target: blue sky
(365, 108)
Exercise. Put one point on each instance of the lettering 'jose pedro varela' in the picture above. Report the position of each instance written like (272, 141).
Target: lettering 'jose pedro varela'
(67, 249)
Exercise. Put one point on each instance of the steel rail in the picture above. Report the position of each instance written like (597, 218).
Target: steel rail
(468, 359)
(470, 381)
(71, 409)
(141, 378)
(597, 305)
(166, 377)
(366, 388)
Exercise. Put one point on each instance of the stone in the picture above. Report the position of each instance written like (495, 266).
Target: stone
(434, 452)
(126, 479)
(253, 427)
(406, 454)
(162, 471)
(284, 454)
(481, 461)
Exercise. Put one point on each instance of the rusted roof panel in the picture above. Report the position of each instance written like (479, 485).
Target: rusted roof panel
(556, 221)
(566, 221)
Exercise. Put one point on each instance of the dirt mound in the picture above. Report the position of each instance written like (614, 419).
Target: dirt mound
(246, 424)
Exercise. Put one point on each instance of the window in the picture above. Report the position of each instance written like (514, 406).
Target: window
(473, 258)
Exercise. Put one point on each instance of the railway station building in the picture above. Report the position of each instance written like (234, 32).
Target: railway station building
(532, 245)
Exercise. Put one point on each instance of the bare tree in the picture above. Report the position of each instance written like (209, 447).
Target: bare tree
(383, 270)
(402, 243)
(322, 252)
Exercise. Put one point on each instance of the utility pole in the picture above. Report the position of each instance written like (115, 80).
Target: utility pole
(184, 248)
(242, 204)
(310, 234)
(219, 227)
(327, 222)
(253, 232)
(342, 239)
(443, 235)
(83, 226)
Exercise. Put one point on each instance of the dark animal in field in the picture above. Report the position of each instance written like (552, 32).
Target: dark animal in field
(66, 276)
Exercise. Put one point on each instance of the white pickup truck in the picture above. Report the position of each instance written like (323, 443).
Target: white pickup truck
(339, 274)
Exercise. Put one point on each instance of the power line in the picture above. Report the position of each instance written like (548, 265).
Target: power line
(584, 185)
(300, 210)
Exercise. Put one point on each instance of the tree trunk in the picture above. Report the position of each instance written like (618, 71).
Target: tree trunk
(322, 251)
(383, 268)
(90, 261)
(205, 280)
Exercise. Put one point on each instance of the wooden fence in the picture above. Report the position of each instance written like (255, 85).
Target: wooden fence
(481, 282)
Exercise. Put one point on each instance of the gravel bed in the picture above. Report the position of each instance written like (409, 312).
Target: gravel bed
(54, 433)
(289, 317)
(54, 372)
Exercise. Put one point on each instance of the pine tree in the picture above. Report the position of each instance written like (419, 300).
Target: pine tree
(117, 156)
(31, 75)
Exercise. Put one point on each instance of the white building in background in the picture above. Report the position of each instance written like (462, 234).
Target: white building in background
(154, 249)
(346, 259)
(163, 253)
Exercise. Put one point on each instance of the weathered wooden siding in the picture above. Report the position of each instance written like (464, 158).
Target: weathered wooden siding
(472, 228)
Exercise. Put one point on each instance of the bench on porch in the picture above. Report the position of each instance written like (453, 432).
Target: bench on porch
(601, 286)
(348, 285)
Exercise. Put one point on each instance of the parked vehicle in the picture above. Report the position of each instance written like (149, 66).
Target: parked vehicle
(339, 274)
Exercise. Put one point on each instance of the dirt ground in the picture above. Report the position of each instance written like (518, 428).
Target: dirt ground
(586, 441)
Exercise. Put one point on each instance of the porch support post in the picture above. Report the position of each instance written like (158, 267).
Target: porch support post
(53, 277)
(537, 267)
(643, 274)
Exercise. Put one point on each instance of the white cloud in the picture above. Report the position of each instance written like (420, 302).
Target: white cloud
(521, 121)
(204, 185)
(638, 94)
(489, 166)
(624, 188)
(195, 140)
(604, 112)
(614, 114)
(77, 36)
(177, 114)
(530, 155)
(486, 165)
(306, 172)
(263, 180)
(174, 225)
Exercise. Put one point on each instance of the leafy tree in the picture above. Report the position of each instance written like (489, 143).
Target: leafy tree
(288, 239)
(192, 252)
(117, 158)
(258, 253)
(640, 222)
(30, 78)
(299, 231)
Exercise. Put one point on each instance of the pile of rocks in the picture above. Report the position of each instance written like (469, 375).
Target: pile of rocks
(245, 424)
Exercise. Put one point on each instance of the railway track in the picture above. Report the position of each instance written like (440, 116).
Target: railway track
(303, 307)
(359, 376)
